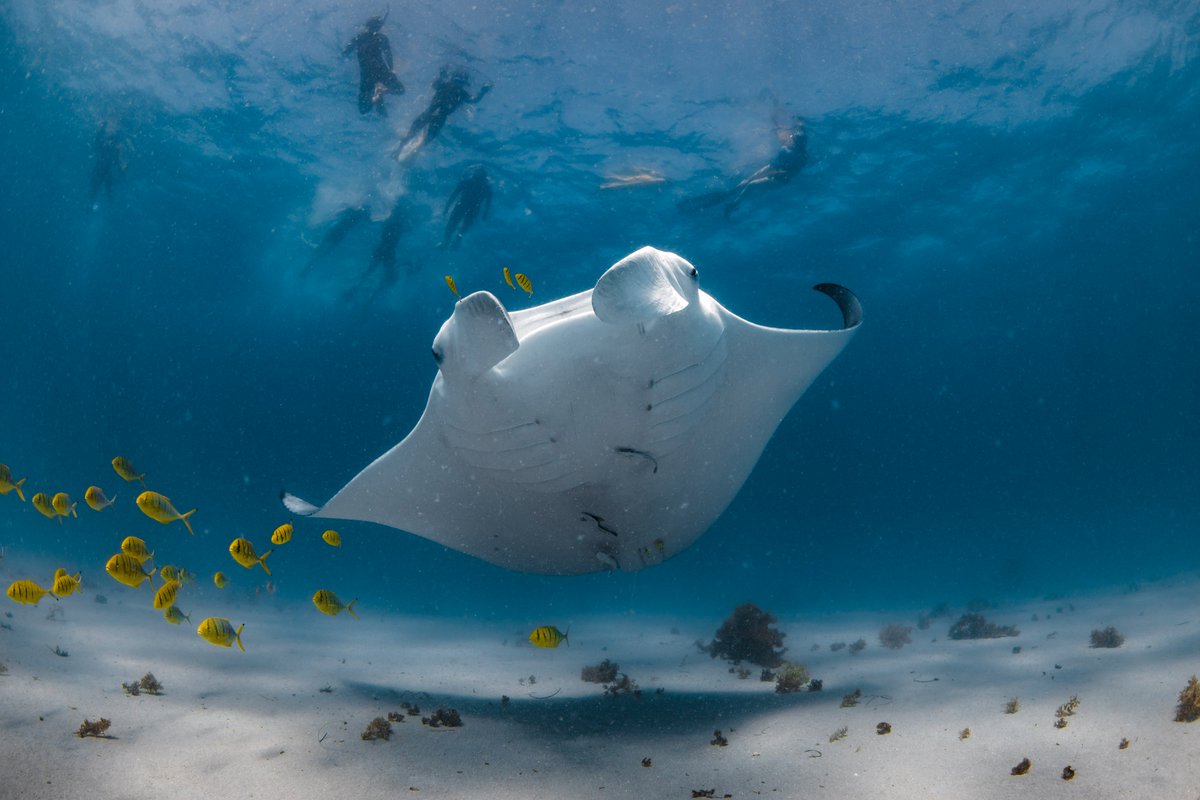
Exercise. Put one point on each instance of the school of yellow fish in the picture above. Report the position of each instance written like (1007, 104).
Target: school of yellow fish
(128, 566)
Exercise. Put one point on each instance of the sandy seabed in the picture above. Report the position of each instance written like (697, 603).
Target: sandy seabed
(284, 719)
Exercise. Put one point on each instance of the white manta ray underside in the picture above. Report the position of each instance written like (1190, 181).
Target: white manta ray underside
(608, 429)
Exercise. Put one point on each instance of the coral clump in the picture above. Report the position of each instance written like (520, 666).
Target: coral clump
(1189, 702)
(791, 678)
(604, 672)
(718, 740)
(1023, 767)
(97, 728)
(883, 728)
(150, 684)
(857, 646)
(1109, 637)
(378, 728)
(395, 716)
(893, 637)
(839, 734)
(964, 734)
(1012, 706)
(747, 635)
(443, 718)
(851, 700)
(976, 626)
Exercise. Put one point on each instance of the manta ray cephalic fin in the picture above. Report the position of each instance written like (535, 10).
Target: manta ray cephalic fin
(478, 336)
(639, 288)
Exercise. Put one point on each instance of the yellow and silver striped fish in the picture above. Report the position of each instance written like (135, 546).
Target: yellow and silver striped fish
(63, 506)
(7, 485)
(26, 592)
(41, 501)
(524, 282)
(282, 534)
(127, 570)
(164, 598)
(94, 496)
(243, 553)
(136, 548)
(174, 616)
(328, 603)
(66, 585)
(332, 538)
(453, 286)
(219, 631)
(548, 636)
(158, 508)
(126, 470)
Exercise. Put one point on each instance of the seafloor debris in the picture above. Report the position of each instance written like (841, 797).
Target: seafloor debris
(58, 651)
(1060, 723)
(1012, 706)
(883, 728)
(443, 718)
(97, 728)
(148, 684)
(1068, 773)
(646, 762)
(1067, 709)
(766, 676)
(857, 646)
(1108, 637)
(623, 685)
(1189, 702)
(964, 734)
(1023, 767)
(704, 793)
(604, 672)
(791, 677)
(378, 728)
(395, 716)
(816, 685)
(747, 635)
(3, 668)
(893, 637)
(833, 648)
(851, 700)
(718, 740)
(1124, 745)
(411, 709)
(975, 626)
(839, 734)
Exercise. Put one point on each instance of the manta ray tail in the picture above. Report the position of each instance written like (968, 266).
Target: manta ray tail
(297, 506)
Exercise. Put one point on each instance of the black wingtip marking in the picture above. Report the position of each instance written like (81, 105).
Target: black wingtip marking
(852, 312)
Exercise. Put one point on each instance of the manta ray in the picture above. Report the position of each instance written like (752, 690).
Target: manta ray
(605, 430)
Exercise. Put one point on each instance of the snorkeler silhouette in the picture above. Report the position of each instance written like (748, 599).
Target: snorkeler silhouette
(791, 158)
(346, 221)
(449, 93)
(108, 159)
(383, 258)
(375, 66)
(473, 194)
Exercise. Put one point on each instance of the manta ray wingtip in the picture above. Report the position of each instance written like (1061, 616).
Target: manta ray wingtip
(852, 312)
(297, 506)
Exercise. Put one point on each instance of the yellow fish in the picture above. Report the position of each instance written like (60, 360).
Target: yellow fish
(524, 282)
(332, 539)
(453, 287)
(7, 485)
(159, 508)
(243, 553)
(65, 585)
(94, 496)
(42, 503)
(58, 573)
(548, 636)
(26, 592)
(127, 570)
(220, 580)
(174, 616)
(136, 548)
(282, 534)
(168, 573)
(63, 506)
(327, 603)
(126, 470)
(508, 278)
(219, 631)
(185, 575)
(165, 596)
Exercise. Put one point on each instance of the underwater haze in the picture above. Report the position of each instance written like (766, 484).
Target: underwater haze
(1011, 189)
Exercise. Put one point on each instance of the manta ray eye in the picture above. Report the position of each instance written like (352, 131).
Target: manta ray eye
(438, 356)
(694, 273)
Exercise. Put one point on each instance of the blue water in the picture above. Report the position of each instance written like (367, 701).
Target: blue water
(1012, 191)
